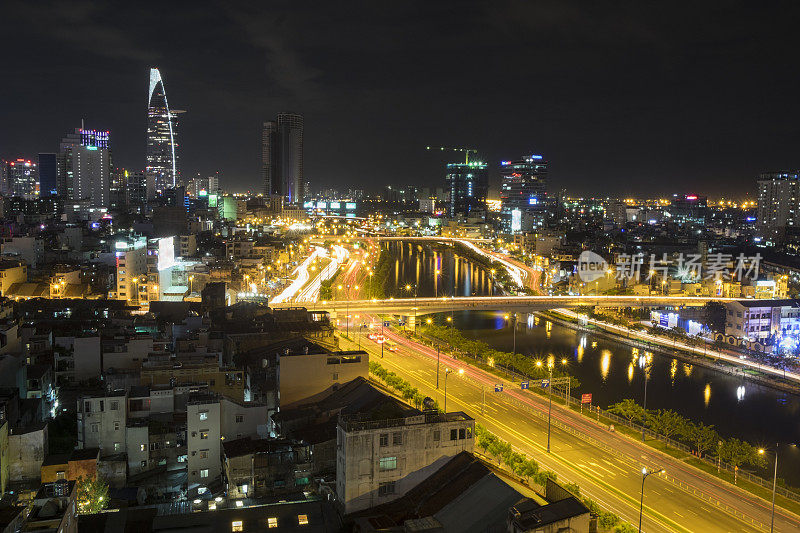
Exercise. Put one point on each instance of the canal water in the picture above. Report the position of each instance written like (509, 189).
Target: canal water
(736, 407)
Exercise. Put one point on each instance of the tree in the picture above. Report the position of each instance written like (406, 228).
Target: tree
(702, 437)
(737, 452)
(92, 495)
(666, 422)
(628, 409)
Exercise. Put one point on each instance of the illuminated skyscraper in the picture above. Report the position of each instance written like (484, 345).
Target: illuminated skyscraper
(282, 157)
(162, 145)
(523, 191)
(84, 167)
(20, 178)
(468, 184)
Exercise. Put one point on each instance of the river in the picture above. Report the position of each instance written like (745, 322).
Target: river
(756, 413)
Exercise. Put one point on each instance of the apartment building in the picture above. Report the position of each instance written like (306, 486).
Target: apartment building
(378, 461)
(315, 369)
(102, 422)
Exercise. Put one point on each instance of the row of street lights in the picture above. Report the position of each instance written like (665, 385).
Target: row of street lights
(550, 366)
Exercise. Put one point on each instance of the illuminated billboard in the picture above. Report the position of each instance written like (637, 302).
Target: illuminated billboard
(335, 205)
(166, 253)
(516, 220)
(350, 205)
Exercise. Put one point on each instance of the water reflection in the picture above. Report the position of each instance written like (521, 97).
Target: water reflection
(605, 364)
(630, 373)
(746, 410)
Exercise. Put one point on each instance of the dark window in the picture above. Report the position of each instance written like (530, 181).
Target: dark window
(385, 489)
(397, 438)
(453, 434)
(384, 439)
(437, 434)
(101, 406)
(462, 433)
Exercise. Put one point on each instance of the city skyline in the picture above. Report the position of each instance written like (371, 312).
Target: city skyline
(619, 101)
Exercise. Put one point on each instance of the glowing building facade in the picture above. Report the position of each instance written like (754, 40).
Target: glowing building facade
(162, 158)
(84, 167)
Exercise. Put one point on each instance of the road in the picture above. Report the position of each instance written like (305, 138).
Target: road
(606, 465)
(305, 287)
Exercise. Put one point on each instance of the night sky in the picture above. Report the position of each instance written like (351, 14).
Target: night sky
(641, 97)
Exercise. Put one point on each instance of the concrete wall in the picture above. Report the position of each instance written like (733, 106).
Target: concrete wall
(243, 420)
(137, 446)
(422, 448)
(301, 376)
(136, 351)
(203, 454)
(103, 425)
(26, 452)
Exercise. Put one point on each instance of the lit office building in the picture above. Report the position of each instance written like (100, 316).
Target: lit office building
(523, 193)
(84, 167)
(778, 204)
(20, 178)
(468, 184)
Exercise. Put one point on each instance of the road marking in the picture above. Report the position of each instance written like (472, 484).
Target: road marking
(565, 463)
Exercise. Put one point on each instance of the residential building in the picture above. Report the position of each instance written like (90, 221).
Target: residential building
(306, 373)
(77, 356)
(11, 272)
(380, 460)
(260, 468)
(203, 440)
(102, 422)
(131, 265)
(54, 508)
(211, 419)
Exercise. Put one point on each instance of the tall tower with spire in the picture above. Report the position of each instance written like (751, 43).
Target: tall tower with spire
(161, 169)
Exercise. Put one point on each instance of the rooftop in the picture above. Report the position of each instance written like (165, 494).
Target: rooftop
(248, 446)
(463, 495)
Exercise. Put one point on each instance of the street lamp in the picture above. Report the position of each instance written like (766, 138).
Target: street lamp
(447, 372)
(762, 451)
(645, 473)
(191, 279)
(551, 363)
(514, 329)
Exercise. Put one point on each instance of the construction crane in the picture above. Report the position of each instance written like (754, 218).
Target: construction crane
(465, 150)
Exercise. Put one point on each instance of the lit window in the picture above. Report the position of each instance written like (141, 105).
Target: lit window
(204, 472)
(302, 519)
(142, 447)
(272, 522)
(203, 435)
(388, 463)
(203, 415)
(239, 503)
(237, 525)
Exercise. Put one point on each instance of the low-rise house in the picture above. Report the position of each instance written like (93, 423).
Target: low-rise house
(259, 468)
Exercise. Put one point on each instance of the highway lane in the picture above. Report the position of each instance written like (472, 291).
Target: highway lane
(600, 479)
